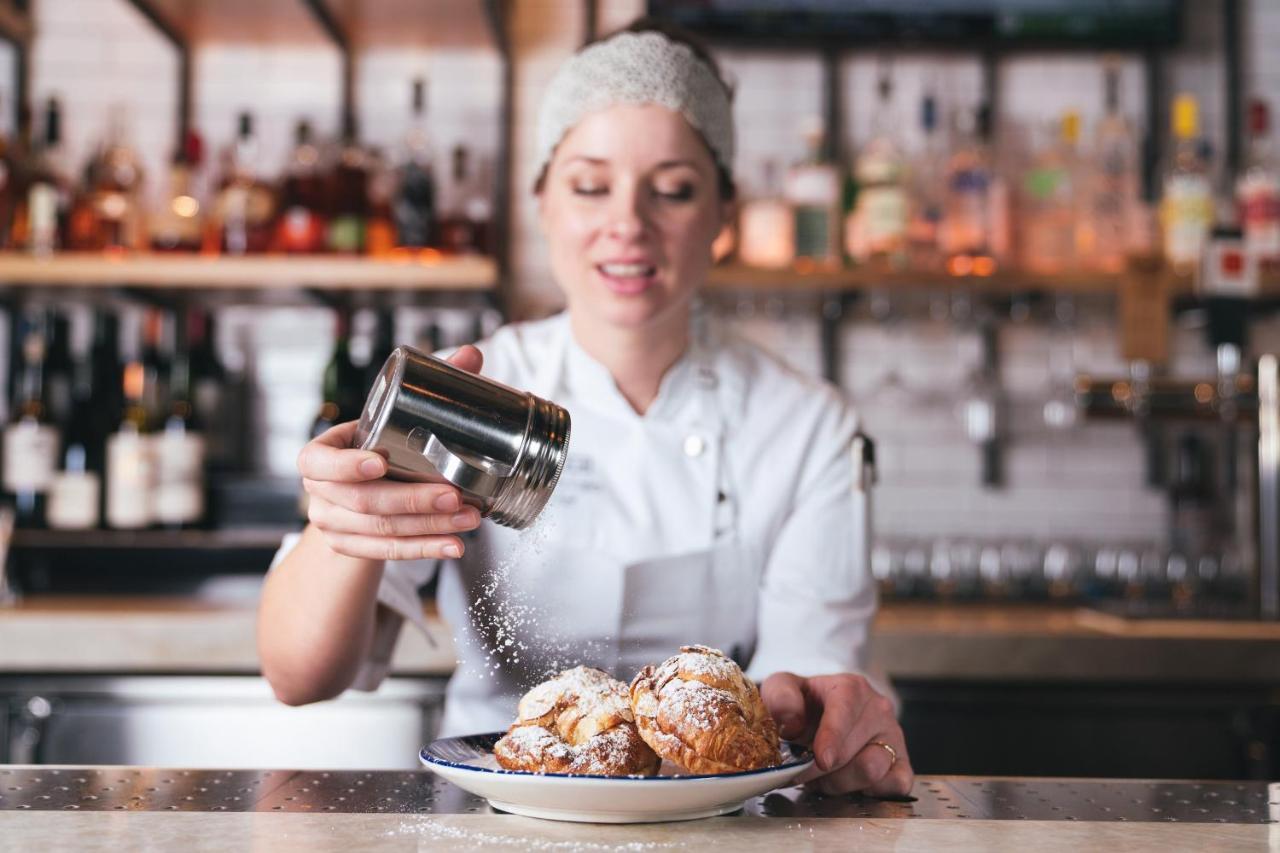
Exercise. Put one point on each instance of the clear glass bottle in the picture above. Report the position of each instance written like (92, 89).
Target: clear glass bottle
(1105, 236)
(1186, 206)
(178, 225)
(1048, 211)
(813, 190)
(975, 221)
(48, 196)
(1258, 190)
(245, 206)
(877, 230)
(927, 197)
(414, 204)
(766, 234)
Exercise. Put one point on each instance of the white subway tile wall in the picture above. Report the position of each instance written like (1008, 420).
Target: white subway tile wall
(907, 376)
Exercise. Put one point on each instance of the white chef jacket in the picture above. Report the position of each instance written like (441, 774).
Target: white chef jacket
(732, 514)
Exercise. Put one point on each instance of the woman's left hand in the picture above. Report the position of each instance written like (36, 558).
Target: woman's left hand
(857, 742)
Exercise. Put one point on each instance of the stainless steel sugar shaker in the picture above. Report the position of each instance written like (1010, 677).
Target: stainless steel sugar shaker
(503, 449)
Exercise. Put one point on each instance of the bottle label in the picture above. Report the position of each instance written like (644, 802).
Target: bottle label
(813, 233)
(1186, 213)
(815, 186)
(30, 456)
(130, 480)
(179, 492)
(73, 501)
(1260, 216)
(884, 217)
(42, 205)
(346, 234)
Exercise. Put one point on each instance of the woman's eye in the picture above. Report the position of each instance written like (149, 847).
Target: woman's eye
(589, 189)
(683, 192)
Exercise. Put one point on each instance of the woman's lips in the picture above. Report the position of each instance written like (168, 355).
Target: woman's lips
(627, 279)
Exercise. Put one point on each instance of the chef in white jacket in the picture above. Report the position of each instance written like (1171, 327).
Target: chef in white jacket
(711, 495)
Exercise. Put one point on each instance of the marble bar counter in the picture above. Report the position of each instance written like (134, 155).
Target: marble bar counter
(134, 808)
(911, 641)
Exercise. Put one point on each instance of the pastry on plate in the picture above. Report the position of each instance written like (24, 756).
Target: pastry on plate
(579, 722)
(699, 711)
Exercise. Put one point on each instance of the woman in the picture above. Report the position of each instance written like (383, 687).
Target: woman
(711, 495)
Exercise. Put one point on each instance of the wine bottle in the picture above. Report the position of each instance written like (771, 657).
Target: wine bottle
(130, 460)
(75, 498)
(30, 439)
(179, 447)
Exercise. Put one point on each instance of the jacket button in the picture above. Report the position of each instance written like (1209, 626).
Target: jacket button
(693, 446)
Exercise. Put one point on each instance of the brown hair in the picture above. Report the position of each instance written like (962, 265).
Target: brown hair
(679, 35)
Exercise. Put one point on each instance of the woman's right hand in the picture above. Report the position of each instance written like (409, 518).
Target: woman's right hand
(362, 515)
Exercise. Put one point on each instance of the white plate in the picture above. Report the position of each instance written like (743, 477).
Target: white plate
(468, 762)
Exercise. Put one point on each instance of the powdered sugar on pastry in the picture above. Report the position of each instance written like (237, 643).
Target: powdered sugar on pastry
(578, 722)
(698, 710)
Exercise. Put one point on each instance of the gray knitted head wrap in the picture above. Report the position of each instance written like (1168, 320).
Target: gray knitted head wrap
(637, 68)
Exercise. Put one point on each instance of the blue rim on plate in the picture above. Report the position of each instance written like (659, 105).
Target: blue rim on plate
(458, 752)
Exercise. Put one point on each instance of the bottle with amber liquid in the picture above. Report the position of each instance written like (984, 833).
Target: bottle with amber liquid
(48, 195)
(348, 194)
(302, 226)
(178, 226)
(245, 207)
(117, 185)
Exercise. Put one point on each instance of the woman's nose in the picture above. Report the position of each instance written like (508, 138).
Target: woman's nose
(626, 215)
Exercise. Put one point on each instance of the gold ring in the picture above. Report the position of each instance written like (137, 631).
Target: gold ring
(893, 753)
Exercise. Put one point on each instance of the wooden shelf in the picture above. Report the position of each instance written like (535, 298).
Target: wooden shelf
(286, 22)
(449, 24)
(742, 278)
(734, 277)
(261, 538)
(259, 272)
(384, 23)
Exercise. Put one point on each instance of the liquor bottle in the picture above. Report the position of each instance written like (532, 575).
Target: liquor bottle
(877, 230)
(75, 497)
(59, 367)
(179, 448)
(927, 197)
(1186, 208)
(1258, 190)
(968, 231)
(414, 207)
(344, 386)
(156, 364)
(130, 458)
(30, 438)
(348, 194)
(384, 341)
(208, 389)
(48, 199)
(813, 189)
(1048, 209)
(302, 226)
(380, 230)
(1105, 233)
(118, 180)
(20, 164)
(8, 185)
(457, 229)
(179, 224)
(108, 372)
(766, 232)
(245, 207)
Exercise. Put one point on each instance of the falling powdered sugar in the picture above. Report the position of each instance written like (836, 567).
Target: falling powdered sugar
(515, 618)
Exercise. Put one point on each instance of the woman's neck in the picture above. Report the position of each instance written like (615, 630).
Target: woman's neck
(637, 359)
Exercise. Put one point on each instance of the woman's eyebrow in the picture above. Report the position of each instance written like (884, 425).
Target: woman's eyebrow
(670, 164)
(595, 161)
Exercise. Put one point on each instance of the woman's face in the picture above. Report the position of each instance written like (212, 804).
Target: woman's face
(630, 207)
